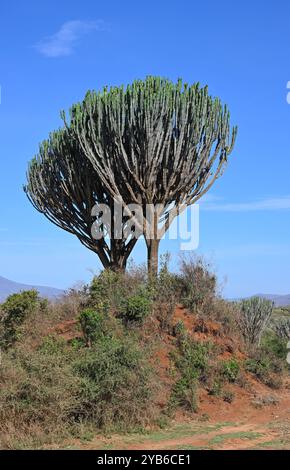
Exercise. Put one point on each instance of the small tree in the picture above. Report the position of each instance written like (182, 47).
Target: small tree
(255, 315)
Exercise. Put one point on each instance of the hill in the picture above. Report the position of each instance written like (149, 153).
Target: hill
(128, 355)
(279, 300)
(8, 287)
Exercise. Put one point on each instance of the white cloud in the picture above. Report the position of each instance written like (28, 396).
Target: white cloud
(267, 204)
(62, 43)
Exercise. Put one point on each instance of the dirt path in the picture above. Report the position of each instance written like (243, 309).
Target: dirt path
(198, 436)
(225, 437)
(231, 426)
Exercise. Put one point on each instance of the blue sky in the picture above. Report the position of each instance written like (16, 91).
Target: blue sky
(52, 52)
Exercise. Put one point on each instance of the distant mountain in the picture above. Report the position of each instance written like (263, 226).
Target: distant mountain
(10, 287)
(279, 300)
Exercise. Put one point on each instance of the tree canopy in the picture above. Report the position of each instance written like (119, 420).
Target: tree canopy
(153, 142)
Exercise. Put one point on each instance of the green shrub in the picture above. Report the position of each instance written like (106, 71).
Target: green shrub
(93, 324)
(179, 329)
(16, 309)
(55, 390)
(258, 367)
(216, 387)
(274, 343)
(192, 363)
(185, 393)
(266, 367)
(136, 307)
(37, 395)
(231, 370)
(116, 386)
(107, 287)
(52, 345)
(165, 294)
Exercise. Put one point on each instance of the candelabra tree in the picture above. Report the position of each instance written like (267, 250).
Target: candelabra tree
(63, 185)
(254, 316)
(156, 144)
(282, 328)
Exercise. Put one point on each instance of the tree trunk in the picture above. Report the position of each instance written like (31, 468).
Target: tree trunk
(118, 260)
(152, 250)
(118, 265)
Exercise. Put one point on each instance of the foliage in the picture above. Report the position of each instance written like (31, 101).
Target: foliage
(231, 370)
(108, 286)
(275, 344)
(38, 393)
(228, 396)
(15, 310)
(266, 367)
(56, 391)
(152, 142)
(197, 285)
(116, 384)
(166, 292)
(93, 324)
(54, 386)
(254, 316)
(192, 363)
(136, 307)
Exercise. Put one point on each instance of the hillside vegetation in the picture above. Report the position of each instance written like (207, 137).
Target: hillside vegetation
(128, 353)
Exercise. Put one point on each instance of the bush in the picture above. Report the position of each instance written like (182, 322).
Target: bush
(37, 395)
(192, 363)
(265, 366)
(185, 393)
(15, 310)
(107, 286)
(231, 370)
(93, 324)
(179, 329)
(197, 284)
(136, 307)
(112, 287)
(216, 387)
(228, 396)
(254, 316)
(165, 294)
(55, 391)
(275, 344)
(116, 386)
